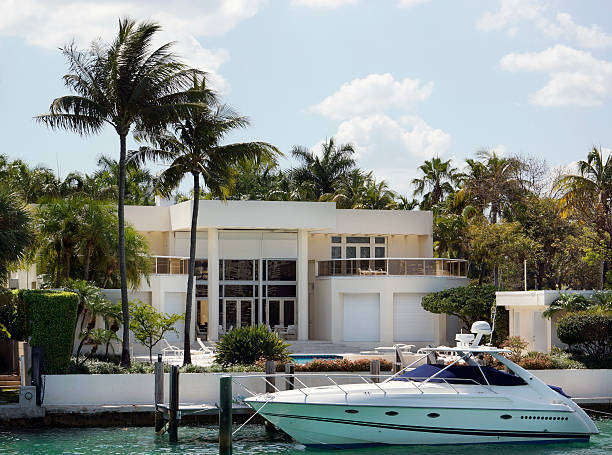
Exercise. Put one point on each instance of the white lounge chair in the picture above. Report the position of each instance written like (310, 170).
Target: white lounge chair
(221, 330)
(169, 350)
(204, 350)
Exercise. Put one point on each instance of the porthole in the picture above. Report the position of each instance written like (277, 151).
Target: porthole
(392, 413)
(351, 411)
(433, 415)
(505, 416)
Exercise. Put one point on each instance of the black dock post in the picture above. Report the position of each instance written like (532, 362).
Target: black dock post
(173, 411)
(225, 415)
(375, 370)
(159, 393)
(290, 371)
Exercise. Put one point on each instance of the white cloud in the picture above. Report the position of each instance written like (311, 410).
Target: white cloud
(374, 93)
(393, 149)
(53, 23)
(575, 76)
(512, 14)
(411, 3)
(323, 4)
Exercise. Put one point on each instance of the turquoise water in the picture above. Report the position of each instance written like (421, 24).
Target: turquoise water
(252, 439)
(303, 359)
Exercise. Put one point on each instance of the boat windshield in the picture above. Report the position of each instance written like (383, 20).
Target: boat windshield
(460, 374)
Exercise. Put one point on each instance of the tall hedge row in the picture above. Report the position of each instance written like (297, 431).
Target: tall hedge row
(51, 317)
(587, 333)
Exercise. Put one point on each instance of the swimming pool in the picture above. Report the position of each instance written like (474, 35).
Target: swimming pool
(303, 359)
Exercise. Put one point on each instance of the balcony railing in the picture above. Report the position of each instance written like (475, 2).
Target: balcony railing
(393, 267)
(170, 265)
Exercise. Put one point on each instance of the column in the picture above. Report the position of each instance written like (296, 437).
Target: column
(213, 284)
(302, 284)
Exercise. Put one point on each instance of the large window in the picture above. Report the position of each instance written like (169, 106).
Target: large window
(362, 247)
(240, 270)
(280, 270)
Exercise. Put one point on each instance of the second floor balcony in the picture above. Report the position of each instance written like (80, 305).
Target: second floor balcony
(393, 267)
(169, 265)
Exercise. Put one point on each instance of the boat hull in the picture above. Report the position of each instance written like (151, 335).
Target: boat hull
(351, 425)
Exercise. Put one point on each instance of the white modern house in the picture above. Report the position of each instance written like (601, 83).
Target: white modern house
(345, 276)
(526, 318)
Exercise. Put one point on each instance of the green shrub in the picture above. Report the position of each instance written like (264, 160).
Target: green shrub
(12, 315)
(536, 361)
(246, 345)
(587, 333)
(51, 320)
(329, 365)
(470, 304)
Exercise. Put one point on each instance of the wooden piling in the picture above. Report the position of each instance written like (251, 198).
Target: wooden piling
(290, 371)
(270, 369)
(375, 370)
(270, 384)
(225, 415)
(159, 393)
(173, 410)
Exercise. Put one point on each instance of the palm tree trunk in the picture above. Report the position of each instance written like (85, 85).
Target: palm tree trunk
(125, 347)
(68, 255)
(87, 261)
(192, 251)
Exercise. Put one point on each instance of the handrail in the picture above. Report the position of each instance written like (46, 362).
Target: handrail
(416, 382)
(393, 267)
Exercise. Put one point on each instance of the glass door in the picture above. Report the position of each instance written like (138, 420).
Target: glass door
(230, 314)
(247, 312)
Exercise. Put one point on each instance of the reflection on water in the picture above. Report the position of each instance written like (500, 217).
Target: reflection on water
(252, 439)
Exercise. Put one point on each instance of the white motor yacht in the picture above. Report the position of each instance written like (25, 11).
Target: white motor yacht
(455, 400)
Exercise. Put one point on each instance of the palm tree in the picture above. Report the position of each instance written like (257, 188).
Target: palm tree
(588, 195)
(494, 182)
(351, 190)
(377, 196)
(16, 231)
(95, 218)
(123, 84)
(438, 180)
(325, 171)
(59, 223)
(194, 147)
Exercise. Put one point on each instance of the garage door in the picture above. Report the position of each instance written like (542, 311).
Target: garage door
(410, 321)
(361, 317)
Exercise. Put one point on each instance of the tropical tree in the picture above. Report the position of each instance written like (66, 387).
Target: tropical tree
(439, 179)
(493, 182)
(351, 190)
(377, 196)
(150, 326)
(587, 195)
(124, 84)
(95, 218)
(139, 182)
(193, 146)
(16, 231)
(58, 221)
(323, 171)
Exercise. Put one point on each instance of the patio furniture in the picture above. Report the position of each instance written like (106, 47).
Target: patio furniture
(280, 330)
(221, 330)
(170, 350)
(291, 333)
(204, 350)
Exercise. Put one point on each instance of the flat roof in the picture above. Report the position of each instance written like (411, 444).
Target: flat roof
(320, 217)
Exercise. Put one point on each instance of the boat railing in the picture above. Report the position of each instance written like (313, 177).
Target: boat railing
(298, 382)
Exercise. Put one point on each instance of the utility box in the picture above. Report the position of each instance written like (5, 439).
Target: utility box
(27, 396)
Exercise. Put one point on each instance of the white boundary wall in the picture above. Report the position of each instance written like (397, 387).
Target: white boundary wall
(137, 389)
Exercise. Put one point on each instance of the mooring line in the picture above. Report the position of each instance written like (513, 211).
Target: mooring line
(249, 419)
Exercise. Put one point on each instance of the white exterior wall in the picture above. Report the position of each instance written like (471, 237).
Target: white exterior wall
(329, 313)
(525, 320)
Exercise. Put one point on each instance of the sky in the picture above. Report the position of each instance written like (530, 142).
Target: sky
(402, 80)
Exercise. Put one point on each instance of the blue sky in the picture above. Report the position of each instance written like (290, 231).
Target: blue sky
(403, 80)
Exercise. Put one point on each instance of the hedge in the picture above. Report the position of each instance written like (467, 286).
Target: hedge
(51, 321)
(587, 333)
(12, 315)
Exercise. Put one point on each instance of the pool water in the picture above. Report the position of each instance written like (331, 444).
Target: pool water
(303, 359)
(252, 439)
